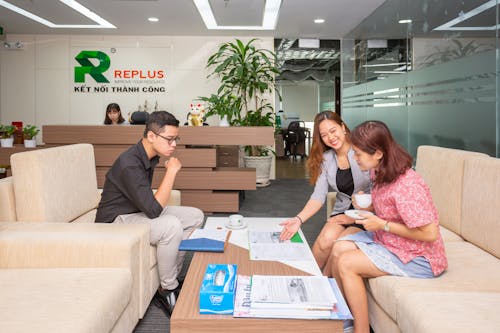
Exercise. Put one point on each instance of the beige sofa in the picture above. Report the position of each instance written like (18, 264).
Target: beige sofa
(465, 187)
(57, 186)
(67, 281)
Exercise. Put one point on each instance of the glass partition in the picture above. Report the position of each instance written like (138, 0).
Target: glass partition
(429, 69)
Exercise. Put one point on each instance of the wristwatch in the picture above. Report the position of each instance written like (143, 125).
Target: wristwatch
(386, 226)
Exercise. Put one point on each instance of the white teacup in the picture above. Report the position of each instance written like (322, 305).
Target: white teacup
(235, 220)
(363, 200)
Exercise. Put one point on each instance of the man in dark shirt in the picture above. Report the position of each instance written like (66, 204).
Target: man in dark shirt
(127, 197)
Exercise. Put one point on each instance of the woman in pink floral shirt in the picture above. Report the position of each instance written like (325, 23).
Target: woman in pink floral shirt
(402, 238)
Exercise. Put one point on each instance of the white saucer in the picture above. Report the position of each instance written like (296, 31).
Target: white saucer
(354, 213)
(242, 226)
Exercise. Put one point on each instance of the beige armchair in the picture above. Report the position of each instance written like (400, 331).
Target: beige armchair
(58, 278)
(58, 185)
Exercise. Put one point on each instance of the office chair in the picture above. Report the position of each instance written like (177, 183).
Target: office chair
(295, 138)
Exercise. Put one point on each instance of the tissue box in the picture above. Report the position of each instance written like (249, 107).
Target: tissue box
(217, 289)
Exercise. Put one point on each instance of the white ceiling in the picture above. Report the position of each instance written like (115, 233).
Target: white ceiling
(180, 17)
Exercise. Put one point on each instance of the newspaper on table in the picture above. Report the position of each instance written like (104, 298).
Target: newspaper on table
(266, 245)
(243, 305)
(292, 292)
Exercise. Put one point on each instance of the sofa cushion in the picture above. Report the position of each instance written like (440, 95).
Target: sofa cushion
(449, 236)
(55, 184)
(457, 312)
(442, 170)
(25, 244)
(469, 269)
(480, 221)
(63, 299)
(88, 217)
(7, 203)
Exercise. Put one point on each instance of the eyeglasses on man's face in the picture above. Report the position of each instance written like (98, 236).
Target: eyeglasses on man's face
(170, 139)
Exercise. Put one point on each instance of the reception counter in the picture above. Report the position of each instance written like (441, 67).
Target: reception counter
(202, 182)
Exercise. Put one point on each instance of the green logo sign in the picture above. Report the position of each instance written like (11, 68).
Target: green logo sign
(88, 68)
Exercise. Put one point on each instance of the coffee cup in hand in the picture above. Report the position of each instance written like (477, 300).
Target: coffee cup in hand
(363, 200)
(235, 220)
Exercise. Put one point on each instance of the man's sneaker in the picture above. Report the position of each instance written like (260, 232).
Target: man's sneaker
(166, 299)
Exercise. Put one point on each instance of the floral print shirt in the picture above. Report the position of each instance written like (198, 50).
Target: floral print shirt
(408, 200)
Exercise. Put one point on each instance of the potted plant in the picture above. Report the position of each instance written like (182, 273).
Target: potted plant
(29, 133)
(259, 157)
(247, 72)
(6, 135)
(226, 105)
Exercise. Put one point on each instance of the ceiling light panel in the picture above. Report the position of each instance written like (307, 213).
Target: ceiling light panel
(267, 21)
(38, 15)
(237, 12)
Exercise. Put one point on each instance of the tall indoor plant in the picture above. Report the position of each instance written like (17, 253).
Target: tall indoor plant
(226, 105)
(248, 72)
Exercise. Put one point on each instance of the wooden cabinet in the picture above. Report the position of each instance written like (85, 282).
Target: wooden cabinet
(210, 178)
(228, 156)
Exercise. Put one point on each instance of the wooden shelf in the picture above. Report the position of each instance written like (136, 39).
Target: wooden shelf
(203, 183)
(204, 135)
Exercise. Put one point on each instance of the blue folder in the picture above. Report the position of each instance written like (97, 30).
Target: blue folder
(201, 245)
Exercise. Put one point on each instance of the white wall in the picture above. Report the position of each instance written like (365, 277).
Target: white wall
(37, 83)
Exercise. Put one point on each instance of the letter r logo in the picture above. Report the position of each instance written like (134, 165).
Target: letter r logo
(88, 68)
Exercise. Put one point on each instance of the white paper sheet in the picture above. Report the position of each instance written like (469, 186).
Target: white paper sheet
(266, 245)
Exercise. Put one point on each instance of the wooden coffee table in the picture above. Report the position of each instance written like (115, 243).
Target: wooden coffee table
(186, 317)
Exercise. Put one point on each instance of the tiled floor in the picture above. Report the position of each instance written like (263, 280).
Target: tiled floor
(290, 168)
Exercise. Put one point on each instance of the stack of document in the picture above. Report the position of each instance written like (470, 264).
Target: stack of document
(300, 297)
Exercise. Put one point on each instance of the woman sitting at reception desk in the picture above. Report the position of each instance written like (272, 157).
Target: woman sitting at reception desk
(114, 115)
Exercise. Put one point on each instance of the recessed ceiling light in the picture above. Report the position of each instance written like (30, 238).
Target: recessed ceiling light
(269, 20)
(319, 21)
(153, 19)
(404, 21)
(101, 23)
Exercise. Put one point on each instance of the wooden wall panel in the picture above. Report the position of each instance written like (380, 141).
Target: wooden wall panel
(105, 155)
(233, 135)
(195, 157)
(193, 179)
(211, 201)
(202, 183)
(219, 179)
(101, 134)
(128, 135)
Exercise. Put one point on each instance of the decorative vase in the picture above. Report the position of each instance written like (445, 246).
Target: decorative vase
(262, 165)
(224, 122)
(29, 143)
(7, 143)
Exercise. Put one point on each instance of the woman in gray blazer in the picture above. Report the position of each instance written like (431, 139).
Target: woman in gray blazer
(331, 164)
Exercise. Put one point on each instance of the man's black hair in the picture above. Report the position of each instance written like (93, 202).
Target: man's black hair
(157, 120)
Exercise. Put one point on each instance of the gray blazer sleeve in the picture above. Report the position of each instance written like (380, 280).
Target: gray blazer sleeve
(326, 178)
